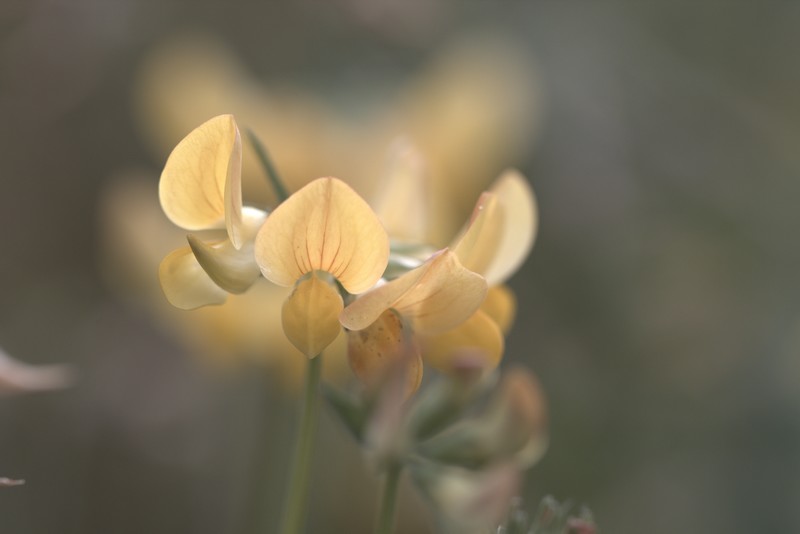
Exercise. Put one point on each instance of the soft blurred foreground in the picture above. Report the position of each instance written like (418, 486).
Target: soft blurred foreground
(658, 309)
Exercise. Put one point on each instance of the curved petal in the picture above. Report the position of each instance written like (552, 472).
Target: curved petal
(310, 316)
(501, 230)
(477, 334)
(501, 305)
(435, 297)
(324, 226)
(381, 348)
(185, 283)
(520, 221)
(478, 242)
(232, 270)
(200, 186)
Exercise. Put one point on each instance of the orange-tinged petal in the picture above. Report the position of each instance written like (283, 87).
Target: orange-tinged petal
(200, 186)
(402, 202)
(501, 305)
(380, 348)
(324, 226)
(477, 334)
(434, 297)
(185, 283)
(520, 224)
(311, 315)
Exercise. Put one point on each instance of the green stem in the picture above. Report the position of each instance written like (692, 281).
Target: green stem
(389, 500)
(297, 497)
(272, 173)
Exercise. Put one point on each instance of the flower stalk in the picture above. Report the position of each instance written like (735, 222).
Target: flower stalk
(388, 507)
(272, 173)
(297, 496)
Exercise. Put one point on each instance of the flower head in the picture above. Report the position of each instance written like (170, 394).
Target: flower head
(324, 233)
(444, 298)
(201, 189)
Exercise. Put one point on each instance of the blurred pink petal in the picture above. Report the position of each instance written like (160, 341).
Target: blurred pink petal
(19, 377)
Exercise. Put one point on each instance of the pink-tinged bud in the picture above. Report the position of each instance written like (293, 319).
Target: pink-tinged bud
(475, 501)
(521, 411)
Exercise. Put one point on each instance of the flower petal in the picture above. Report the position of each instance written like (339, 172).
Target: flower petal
(477, 334)
(381, 348)
(520, 224)
(435, 297)
(478, 242)
(501, 230)
(232, 270)
(501, 305)
(200, 186)
(402, 202)
(324, 226)
(185, 283)
(21, 377)
(311, 315)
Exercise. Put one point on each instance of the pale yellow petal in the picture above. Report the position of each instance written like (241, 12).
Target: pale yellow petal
(478, 242)
(520, 224)
(185, 283)
(200, 186)
(434, 297)
(232, 270)
(478, 334)
(382, 347)
(500, 233)
(501, 305)
(402, 200)
(311, 315)
(324, 226)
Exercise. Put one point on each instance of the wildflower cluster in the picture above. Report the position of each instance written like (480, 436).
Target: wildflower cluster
(326, 242)
(403, 304)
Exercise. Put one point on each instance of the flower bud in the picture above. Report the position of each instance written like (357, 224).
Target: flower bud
(470, 501)
(513, 427)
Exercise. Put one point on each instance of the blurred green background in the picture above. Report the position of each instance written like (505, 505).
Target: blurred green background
(659, 307)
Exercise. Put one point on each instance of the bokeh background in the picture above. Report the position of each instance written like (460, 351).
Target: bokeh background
(659, 307)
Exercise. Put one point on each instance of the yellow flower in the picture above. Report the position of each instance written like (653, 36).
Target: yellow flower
(323, 234)
(472, 108)
(432, 299)
(201, 189)
(494, 243)
(443, 301)
(440, 311)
